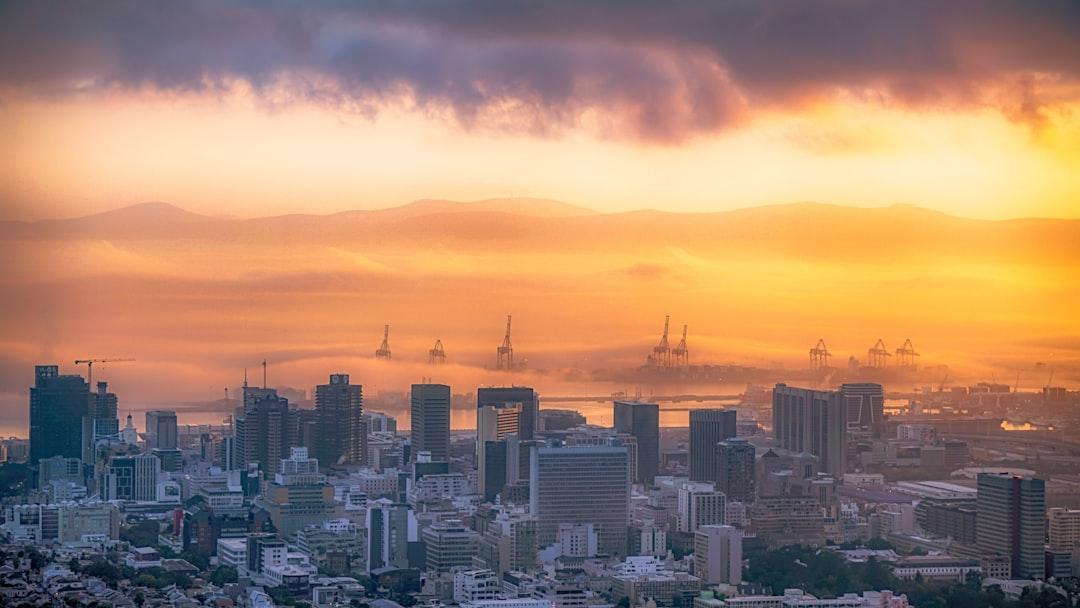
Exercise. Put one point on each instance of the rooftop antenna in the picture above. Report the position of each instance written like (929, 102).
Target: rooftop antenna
(264, 372)
(245, 377)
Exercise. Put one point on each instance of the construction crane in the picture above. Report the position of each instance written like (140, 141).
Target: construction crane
(819, 356)
(384, 348)
(437, 356)
(877, 355)
(90, 366)
(680, 354)
(905, 355)
(662, 351)
(504, 355)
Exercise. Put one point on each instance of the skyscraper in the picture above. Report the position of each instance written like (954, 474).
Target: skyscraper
(161, 429)
(391, 527)
(511, 395)
(342, 435)
(265, 431)
(494, 423)
(58, 405)
(299, 495)
(806, 420)
(642, 420)
(133, 478)
(581, 484)
(1011, 515)
(735, 469)
(865, 403)
(708, 428)
(104, 411)
(431, 420)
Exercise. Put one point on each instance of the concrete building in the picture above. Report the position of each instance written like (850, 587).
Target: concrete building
(806, 420)
(449, 545)
(718, 555)
(265, 430)
(522, 396)
(642, 420)
(708, 428)
(477, 585)
(578, 540)
(299, 496)
(699, 505)
(865, 404)
(339, 413)
(133, 478)
(1012, 521)
(391, 527)
(431, 420)
(581, 484)
(494, 423)
(161, 431)
(735, 469)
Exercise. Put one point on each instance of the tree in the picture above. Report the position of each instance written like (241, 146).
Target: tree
(143, 534)
(223, 575)
(196, 559)
(624, 602)
(879, 544)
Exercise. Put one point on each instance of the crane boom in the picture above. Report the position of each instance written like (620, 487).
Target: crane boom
(89, 363)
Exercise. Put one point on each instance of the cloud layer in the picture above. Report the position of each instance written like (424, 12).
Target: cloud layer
(661, 72)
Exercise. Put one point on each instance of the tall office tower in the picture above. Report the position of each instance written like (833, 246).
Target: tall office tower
(718, 555)
(708, 428)
(161, 429)
(511, 395)
(493, 424)
(509, 542)
(735, 469)
(133, 478)
(391, 526)
(642, 420)
(865, 402)
(1011, 513)
(700, 504)
(264, 433)
(581, 484)
(806, 420)
(449, 544)
(103, 411)
(58, 405)
(340, 410)
(1063, 529)
(299, 495)
(431, 420)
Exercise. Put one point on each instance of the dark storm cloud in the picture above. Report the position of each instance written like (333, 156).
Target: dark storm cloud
(658, 70)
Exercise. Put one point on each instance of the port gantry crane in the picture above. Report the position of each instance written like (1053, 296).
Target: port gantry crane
(90, 366)
(384, 349)
(662, 351)
(819, 356)
(504, 354)
(437, 356)
(680, 354)
(878, 354)
(905, 355)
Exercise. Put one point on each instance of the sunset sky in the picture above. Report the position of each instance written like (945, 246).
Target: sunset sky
(921, 131)
(262, 108)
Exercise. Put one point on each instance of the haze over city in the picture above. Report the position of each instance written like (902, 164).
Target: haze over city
(693, 304)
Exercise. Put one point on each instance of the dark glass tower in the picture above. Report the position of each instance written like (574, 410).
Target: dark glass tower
(340, 413)
(510, 395)
(58, 405)
(642, 420)
(708, 428)
(431, 421)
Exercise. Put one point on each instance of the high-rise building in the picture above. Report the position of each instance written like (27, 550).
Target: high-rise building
(161, 429)
(642, 420)
(391, 527)
(509, 542)
(581, 484)
(342, 436)
(103, 411)
(493, 424)
(378, 422)
(865, 403)
(1064, 529)
(806, 420)
(514, 395)
(265, 431)
(1012, 521)
(718, 555)
(431, 420)
(699, 505)
(735, 469)
(58, 405)
(708, 428)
